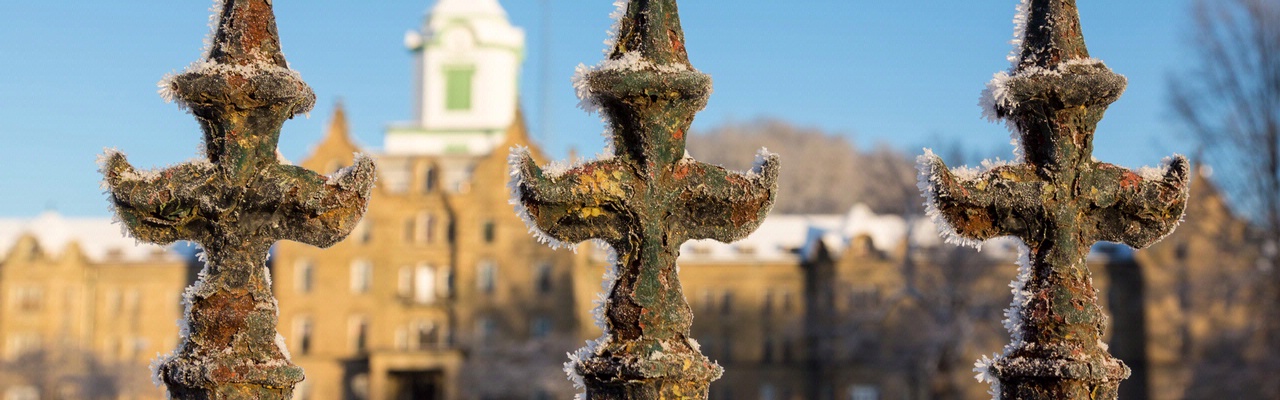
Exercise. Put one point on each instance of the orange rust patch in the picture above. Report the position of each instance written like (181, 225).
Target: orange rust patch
(681, 171)
(676, 44)
(222, 316)
(1130, 180)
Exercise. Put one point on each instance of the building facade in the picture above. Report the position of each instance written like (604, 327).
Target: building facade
(440, 292)
(83, 310)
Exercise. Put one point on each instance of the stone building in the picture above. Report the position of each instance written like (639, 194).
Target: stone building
(441, 293)
(440, 288)
(83, 310)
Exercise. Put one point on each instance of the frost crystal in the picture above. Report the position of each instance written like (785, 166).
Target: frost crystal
(516, 162)
(926, 166)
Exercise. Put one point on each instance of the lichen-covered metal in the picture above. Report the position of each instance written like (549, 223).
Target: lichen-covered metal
(235, 205)
(1059, 201)
(644, 202)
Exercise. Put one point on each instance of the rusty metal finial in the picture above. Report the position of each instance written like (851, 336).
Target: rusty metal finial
(235, 205)
(644, 201)
(1059, 201)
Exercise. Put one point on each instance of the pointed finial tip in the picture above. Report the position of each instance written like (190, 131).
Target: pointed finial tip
(246, 34)
(652, 28)
(1051, 35)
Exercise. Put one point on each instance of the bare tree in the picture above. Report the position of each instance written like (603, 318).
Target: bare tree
(1229, 101)
(883, 178)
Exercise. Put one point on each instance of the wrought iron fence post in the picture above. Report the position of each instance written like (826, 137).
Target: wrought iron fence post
(644, 201)
(1059, 201)
(235, 205)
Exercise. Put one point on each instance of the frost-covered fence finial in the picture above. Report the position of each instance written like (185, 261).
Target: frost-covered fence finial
(1059, 201)
(235, 204)
(643, 202)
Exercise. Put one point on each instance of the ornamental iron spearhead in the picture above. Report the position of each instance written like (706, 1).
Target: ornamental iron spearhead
(235, 204)
(1058, 201)
(644, 201)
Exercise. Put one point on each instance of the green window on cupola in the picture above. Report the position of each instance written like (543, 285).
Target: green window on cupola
(458, 87)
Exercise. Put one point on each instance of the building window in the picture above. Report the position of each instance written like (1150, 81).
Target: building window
(425, 228)
(303, 276)
(486, 276)
(543, 278)
(489, 231)
(404, 282)
(302, 334)
(424, 284)
(540, 327)
(485, 330)
(766, 304)
(29, 298)
(864, 392)
(458, 81)
(767, 353)
(358, 330)
(361, 276)
(726, 305)
(402, 339)
(430, 179)
(446, 283)
(425, 335)
(786, 301)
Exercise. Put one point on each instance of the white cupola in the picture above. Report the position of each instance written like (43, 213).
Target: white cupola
(466, 80)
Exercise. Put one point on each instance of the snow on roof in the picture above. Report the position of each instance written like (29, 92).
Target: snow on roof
(782, 237)
(779, 237)
(98, 238)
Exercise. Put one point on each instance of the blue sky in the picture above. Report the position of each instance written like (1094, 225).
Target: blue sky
(78, 76)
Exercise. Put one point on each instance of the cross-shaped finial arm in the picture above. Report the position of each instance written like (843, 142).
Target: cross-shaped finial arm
(721, 204)
(1140, 210)
(320, 210)
(178, 203)
(164, 206)
(1000, 202)
(583, 203)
